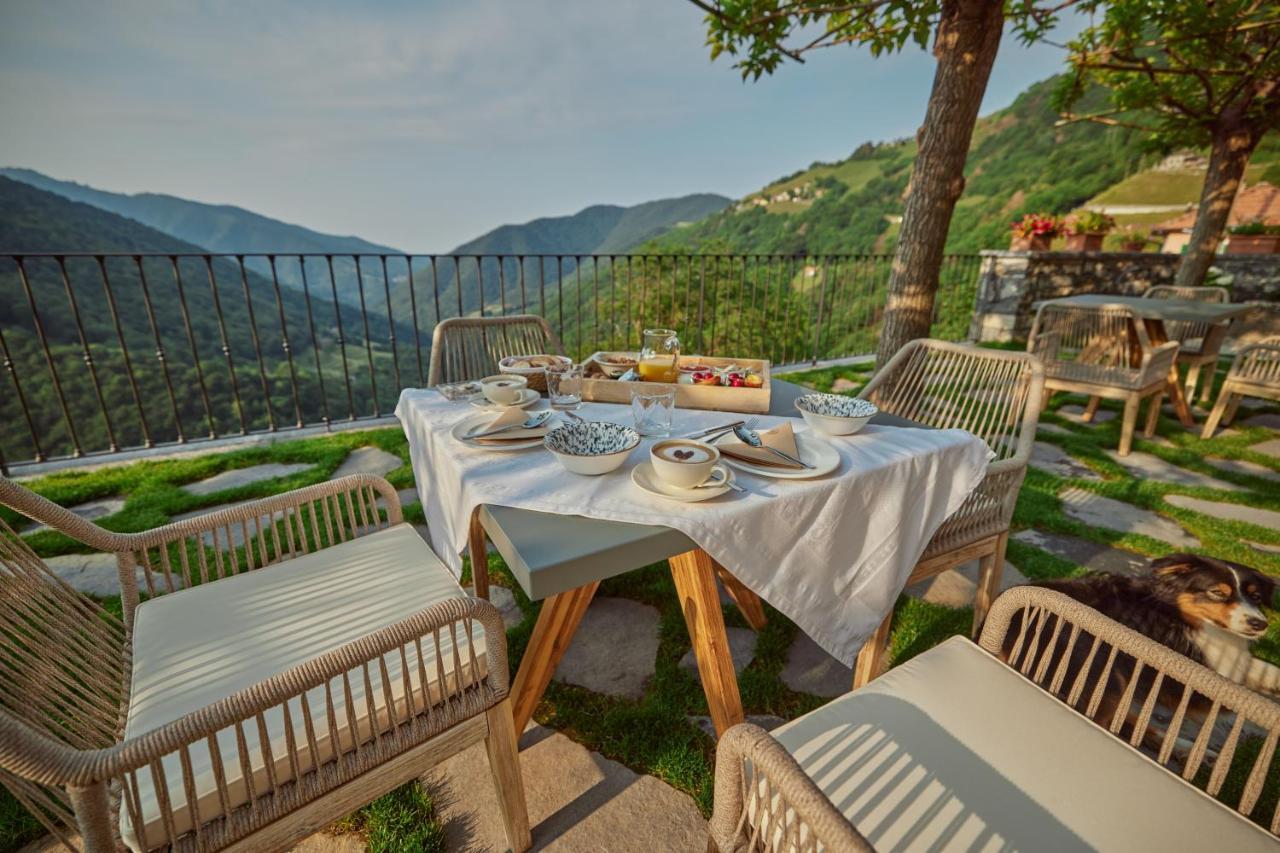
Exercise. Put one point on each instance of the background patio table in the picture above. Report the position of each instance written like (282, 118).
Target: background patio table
(564, 556)
(1155, 313)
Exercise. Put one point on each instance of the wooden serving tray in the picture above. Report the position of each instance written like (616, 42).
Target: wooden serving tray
(598, 388)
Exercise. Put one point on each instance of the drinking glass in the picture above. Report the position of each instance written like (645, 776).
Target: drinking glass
(564, 387)
(652, 409)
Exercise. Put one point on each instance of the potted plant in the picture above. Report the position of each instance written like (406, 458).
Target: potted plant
(1134, 241)
(1085, 231)
(1253, 238)
(1033, 233)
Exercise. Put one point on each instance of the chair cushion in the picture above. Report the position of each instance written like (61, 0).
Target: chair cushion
(194, 647)
(955, 751)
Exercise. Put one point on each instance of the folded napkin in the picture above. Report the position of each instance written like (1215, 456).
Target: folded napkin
(507, 418)
(780, 437)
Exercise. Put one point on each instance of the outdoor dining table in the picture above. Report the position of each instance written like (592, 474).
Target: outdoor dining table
(563, 558)
(1155, 313)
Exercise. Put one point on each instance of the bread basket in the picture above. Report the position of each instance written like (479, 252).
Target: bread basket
(532, 367)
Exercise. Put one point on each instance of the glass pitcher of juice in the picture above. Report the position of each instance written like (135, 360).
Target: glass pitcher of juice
(659, 356)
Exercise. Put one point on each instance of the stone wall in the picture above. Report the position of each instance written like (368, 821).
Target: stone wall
(1009, 283)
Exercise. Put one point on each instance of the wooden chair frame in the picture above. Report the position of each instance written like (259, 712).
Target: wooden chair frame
(1199, 344)
(1255, 372)
(66, 666)
(993, 394)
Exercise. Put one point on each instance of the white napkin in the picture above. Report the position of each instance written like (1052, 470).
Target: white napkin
(507, 418)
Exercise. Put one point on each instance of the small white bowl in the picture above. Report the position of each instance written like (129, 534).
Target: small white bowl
(591, 447)
(835, 414)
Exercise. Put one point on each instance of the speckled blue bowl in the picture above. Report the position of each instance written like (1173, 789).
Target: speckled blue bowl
(835, 414)
(591, 447)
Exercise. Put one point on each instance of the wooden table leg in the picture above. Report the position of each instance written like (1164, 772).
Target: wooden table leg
(748, 602)
(557, 622)
(478, 548)
(694, 575)
(1177, 395)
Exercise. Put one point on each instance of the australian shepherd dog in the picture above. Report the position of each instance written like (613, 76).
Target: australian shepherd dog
(1208, 610)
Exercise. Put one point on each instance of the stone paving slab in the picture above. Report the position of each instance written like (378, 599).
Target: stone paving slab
(1098, 511)
(1053, 459)
(242, 477)
(1243, 466)
(1145, 466)
(368, 460)
(505, 600)
(614, 650)
(89, 510)
(1053, 429)
(1264, 548)
(1075, 413)
(1270, 420)
(809, 669)
(578, 801)
(1086, 554)
(768, 722)
(1228, 512)
(742, 649)
(1270, 447)
(93, 574)
(957, 587)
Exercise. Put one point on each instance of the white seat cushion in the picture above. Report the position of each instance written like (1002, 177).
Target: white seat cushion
(197, 646)
(955, 751)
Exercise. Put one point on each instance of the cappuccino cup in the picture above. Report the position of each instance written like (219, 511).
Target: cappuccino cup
(683, 463)
(505, 389)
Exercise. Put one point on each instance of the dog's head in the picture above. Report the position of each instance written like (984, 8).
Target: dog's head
(1228, 595)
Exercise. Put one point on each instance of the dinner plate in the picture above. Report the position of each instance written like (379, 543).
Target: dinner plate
(528, 397)
(476, 423)
(644, 477)
(820, 454)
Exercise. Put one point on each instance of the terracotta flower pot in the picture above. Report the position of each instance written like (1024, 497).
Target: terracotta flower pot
(1135, 246)
(1034, 243)
(1084, 242)
(1253, 244)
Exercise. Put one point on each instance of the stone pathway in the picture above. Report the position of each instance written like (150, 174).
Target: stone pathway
(578, 801)
(368, 460)
(1270, 420)
(1267, 518)
(1270, 447)
(1076, 413)
(1145, 466)
(1098, 511)
(810, 669)
(1086, 554)
(242, 477)
(614, 650)
(957, 587)
(1264, 548)
(1053, 429)
(505, 600)
(742, 649)
(90, 510)
(93, 574)
(1055, 460)
(1243, 466)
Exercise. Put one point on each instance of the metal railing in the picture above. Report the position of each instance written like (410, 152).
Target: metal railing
(111, 351)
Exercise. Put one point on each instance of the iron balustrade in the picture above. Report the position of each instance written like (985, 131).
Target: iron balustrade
(105, 352)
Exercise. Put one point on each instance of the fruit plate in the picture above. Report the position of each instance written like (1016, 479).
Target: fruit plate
(598, 388)
(819, 453)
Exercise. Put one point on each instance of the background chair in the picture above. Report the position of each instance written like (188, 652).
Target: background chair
(996, 396)
(1005, 741)
(1103, 352)
(297, 657)
(464, 348)
(1255, 372)
(1199, 344)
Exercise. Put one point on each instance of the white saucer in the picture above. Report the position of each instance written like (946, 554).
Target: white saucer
(528, 397)
(643, 476)
(819, 453)
(474, 422)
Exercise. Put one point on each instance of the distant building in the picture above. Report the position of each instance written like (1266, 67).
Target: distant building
(1260, 201)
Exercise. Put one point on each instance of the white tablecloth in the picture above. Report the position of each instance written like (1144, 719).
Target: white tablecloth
(831, 553)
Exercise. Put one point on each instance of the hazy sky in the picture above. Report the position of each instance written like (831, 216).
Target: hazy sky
(423, 124)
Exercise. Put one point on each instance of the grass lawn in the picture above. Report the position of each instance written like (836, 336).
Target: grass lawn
(654, 734)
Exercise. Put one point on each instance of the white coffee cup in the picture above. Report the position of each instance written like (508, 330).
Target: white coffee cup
(683, 463)
(505, 389)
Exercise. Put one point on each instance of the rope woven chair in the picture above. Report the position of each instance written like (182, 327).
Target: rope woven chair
(1255, 372)
(1199, 344)
(996, 396)
(296, 657)
(1103, 352)
(464, 348)
(908, 762)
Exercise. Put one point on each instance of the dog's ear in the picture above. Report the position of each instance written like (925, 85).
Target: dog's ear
(1173, 565)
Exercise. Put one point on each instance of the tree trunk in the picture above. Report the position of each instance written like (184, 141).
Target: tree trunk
(1228, 156)
(965, 47)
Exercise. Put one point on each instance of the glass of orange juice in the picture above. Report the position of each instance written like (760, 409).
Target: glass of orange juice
(658, 356)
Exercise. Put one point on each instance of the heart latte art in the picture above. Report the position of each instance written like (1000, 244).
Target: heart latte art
(687, 453)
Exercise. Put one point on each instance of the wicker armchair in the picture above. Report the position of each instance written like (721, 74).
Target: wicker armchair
(465, 348)
(1199, 344)
(1006, 743)
(1255, 372)
(295, 658)
(996, 396)
(1103, 352)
